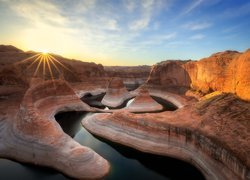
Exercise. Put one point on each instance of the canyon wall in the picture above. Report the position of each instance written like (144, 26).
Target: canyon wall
(209, 134)
(225, 71)
(31, 134)
(132, 76)
(24, 65)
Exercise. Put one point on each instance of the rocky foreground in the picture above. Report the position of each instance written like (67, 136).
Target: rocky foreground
(210, 129)
(203, 134)
(30, 133)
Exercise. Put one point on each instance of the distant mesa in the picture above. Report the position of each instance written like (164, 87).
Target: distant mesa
(9, 48)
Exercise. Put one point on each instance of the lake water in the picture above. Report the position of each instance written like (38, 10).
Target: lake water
(95, 101)
(126, 163)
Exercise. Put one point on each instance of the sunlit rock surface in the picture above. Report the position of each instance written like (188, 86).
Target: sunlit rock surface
(31, 134)
(225, 71)
(143, 102)
(116, 93)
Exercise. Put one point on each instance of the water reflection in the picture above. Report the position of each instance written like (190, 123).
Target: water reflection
(126, 163)
(95, 101)
(11, 170)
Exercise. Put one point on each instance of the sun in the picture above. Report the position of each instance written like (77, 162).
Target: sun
(45, 52)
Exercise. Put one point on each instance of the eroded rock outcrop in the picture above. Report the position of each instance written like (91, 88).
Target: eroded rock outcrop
(132, 76)
(11, 82)
(32, 135)
(116, 93)
(226, 71)
(186, 134)
(143, 102)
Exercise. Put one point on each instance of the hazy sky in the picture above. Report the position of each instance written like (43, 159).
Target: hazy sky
(126, 32)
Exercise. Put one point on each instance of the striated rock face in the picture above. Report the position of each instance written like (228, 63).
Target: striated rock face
(32, 134)
(143, 102)
(132, 76)
(198, 133)
(116, 93)
(169, 73)
(237, 76)
(212, 134)
(226, 71)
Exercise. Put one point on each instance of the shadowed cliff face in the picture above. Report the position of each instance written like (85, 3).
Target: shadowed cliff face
(171, 75)
(226, 71)
(24, 65)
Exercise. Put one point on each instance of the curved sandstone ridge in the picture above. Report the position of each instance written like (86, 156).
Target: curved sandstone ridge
(35, 137)
(116, 93)
(143, 102)
(184, 134)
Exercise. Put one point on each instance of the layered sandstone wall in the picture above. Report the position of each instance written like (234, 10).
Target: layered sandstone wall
(208, 134)
(33, 135)
(226, 71)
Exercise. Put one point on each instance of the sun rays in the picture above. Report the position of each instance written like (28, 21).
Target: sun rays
(45, 63)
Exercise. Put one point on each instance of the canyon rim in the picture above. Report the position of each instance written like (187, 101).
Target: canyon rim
(122, 89)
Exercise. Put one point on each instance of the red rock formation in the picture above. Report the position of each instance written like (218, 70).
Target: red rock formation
(143, 102)
(34, 136)
(116, 93)
(132, 76)
(238, 76)
(208, 134)
(226, 71)
(9, 48)
(11, 82)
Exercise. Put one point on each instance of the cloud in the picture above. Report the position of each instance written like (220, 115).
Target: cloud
(168, 36)
(192, 6)
(140, 23)
(156, 40)
(109, 23)
(130, 5)
(147, 10)
(146, 7)
(36, 13)
(197, 26)
(197, 37)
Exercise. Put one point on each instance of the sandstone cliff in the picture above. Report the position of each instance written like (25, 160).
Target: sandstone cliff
(225, 71)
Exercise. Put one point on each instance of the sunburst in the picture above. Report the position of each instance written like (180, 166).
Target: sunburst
(45, 61)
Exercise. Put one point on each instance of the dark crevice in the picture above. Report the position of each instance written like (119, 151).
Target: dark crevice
(166, 167)
(95, 101)
(70, 121)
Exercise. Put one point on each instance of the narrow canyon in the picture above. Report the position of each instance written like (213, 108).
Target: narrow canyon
(195, 111)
